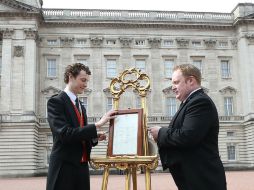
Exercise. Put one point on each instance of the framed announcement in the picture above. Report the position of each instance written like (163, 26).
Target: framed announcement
(126, 133)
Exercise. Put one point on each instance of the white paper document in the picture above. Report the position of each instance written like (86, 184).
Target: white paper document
(125, 134)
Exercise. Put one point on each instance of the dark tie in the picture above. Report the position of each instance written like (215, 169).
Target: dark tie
(77, 104)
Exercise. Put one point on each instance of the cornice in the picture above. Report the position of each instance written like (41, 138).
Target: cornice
(20, 6)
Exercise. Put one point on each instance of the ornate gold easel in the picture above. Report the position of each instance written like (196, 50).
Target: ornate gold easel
(129, 163)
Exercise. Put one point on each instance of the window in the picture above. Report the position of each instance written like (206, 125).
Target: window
(230, 133)
(225, 69)
(140, 42)
(109, 103)
(198, 63)
(83, 61)
(84, 101)
(0, 65)
(223, 44)
(138, 102)
(228, 106)
(168, 65)
(168, 43)
(196, 43)
(52, 42)
(140, 64)
(171, 106)
(231, 152)
(111, 68)
(111, 42)
(51, 67)
(81, 41)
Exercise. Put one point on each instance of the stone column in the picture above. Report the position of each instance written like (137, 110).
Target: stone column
(30, 77)
(5, 99)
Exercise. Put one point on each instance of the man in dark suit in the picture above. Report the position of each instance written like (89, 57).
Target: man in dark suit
(73, 137)
(189, 146)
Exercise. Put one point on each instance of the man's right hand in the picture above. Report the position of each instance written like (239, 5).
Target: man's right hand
(106, 117)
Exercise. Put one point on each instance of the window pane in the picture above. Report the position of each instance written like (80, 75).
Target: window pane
(198, 64)
(231, 152)
(111, 68)
(84, 101)
(109, 103)
(225, 69)
(171, 106)
(141, 64)
(82, 61)
(51, 64)
(169, 64)
(228, 106)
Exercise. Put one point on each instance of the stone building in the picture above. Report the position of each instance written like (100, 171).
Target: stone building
(37, 44)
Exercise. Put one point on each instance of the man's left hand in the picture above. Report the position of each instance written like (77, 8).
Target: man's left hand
(154, 132)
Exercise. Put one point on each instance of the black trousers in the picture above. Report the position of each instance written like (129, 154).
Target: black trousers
(73, 177)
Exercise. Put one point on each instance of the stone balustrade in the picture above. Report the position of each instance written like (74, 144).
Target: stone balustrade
(134, 15)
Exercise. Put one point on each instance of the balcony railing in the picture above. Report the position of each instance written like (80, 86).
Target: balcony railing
(114, 15)
(158, 119)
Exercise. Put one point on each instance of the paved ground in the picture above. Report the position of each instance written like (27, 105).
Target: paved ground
(243, 180)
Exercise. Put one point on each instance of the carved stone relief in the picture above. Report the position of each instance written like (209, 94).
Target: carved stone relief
(67, 41)
(18, 51)
(31, 33)
(7, 33)
(210, 43)
(182, 43)
(126, 42)
(96, 41)
(154, 42)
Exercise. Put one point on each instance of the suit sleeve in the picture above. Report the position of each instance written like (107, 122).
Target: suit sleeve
(62, 128)
(197, 121)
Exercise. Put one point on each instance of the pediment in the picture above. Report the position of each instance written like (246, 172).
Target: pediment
(15, 6)
(51, 90)
(228, 89)
(167, 90)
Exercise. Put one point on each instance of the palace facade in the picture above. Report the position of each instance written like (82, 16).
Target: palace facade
(37, 44)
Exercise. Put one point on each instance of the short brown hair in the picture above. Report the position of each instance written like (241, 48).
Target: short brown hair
(74, 70)
(189, 70)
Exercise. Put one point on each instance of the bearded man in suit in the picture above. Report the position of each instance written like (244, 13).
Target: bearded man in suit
(73, 137)
(189, 146)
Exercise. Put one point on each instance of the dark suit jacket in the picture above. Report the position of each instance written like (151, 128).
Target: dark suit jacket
(67, 135)
(190, 144)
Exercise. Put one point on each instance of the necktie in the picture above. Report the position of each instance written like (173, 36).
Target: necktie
(77, 104)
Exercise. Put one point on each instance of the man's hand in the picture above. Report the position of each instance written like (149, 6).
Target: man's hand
(101, 136)
(107, 116)
(154, 132)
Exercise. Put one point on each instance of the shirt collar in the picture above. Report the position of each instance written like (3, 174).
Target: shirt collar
(191, 93)
(71, 95)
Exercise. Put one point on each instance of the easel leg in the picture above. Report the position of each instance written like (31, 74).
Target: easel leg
(105, 179)
(134, 178)
(127, 179)
(148, 179)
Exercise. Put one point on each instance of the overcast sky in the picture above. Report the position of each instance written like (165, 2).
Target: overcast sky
(225, 6)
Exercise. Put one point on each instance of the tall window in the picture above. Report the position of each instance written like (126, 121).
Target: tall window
(140, 64)
(83, 61)
(228, 106)
(111, 68)
(231, 152)
(171, 106)
(138, 102)
(51, 67)
(84, 101)
(225, 69)
(109, 103)
(168, 65)
(198, 63)
(0, 66)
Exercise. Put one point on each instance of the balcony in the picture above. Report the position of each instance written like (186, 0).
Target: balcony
(132, 15)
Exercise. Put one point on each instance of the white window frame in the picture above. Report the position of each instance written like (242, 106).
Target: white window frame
(52, 42)
(231, 150)
(111, 68)
(168, 67)
(84, 100)
(225, 68)
(171, 106)
(229, 105)
(81, 42)
(49, 65)
(196, 43)
(111, 42)
(168, 43)
(109, 103)
(83, 61)
(140, 64)
(198, 63)
(140, 42)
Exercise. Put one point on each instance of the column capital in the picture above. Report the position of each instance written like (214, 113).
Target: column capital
(7, 33)
(31, 33)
